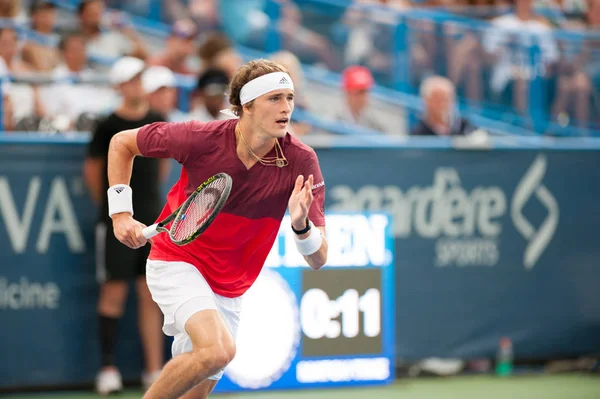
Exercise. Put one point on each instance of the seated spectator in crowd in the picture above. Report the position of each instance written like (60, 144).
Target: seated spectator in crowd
(203, 13)
(179, 46)
(370, 31)
(248, 24)
(25, 95)
(209, 97)
(10, 59)
(217, 51)
(68, 99)
(41, 54)
(505, 48)
(111, 40)
(441, 117)
(357, 82)
(160, 86)
(7, 106)
(12, 9)
(74, 60)
(578, 72)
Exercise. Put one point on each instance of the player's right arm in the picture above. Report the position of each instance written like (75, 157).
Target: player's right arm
(122, 151)
(156, 140)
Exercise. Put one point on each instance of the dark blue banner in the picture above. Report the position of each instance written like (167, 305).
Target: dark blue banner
(488, 244)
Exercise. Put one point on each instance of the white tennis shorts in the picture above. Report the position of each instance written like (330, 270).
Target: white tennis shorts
(180, 291)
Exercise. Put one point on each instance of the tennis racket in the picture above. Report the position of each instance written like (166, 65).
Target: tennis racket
(194, 216)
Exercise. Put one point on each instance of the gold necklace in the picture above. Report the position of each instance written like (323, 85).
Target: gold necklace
(278, 160)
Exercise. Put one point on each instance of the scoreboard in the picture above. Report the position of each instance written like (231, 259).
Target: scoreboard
(332, 327)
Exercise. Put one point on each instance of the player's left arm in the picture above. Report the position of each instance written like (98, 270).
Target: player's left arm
(306, 205)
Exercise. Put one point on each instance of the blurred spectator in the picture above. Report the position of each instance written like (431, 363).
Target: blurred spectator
(117, 264)
(74, 60)
(12, 9)
(578, 72)
(9, 52)
(204, 13)
(290, 62)
(357, 82)
(7, 105)
(160, 86)
(371, 31)
(302, 41)
(209, 97)
(41, 54)
(441, 116)
(217, 51)
(506, 44)
(248, 24)
(113, 38)
(68, 99)
(178, 47)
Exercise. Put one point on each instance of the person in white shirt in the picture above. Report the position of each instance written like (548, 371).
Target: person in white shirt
(505, 46)
(74, 92)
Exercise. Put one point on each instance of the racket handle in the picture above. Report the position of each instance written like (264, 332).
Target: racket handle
(150, 231)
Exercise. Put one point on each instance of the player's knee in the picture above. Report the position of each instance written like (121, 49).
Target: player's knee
(223, 355)
(218, 357)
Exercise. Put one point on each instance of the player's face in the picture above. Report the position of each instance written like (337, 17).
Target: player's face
(271, 112)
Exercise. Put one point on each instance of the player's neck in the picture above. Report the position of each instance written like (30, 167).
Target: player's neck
(252, 142)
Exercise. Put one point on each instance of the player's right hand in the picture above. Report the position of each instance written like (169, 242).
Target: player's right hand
(128, 230)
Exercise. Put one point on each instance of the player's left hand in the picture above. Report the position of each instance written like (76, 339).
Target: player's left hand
(300, 201)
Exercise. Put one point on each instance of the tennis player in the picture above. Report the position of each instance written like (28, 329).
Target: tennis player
(199, 286)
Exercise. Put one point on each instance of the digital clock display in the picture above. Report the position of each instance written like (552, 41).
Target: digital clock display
(340, 312)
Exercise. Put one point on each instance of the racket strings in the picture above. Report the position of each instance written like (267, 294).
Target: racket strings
(199, 210)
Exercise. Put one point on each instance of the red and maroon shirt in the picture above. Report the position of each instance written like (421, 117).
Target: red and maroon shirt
(231, 252)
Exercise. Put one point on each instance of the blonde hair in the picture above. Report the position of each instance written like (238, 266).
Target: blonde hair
(245, 74)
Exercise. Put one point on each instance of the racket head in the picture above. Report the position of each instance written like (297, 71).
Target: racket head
(201, 208)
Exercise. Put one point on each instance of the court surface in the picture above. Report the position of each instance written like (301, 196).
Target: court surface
(565, 386)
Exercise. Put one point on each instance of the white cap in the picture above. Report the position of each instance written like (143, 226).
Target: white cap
(125, 69)
(156, 77)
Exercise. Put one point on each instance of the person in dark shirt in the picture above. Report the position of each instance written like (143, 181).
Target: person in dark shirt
(440, 117)
(116, 264)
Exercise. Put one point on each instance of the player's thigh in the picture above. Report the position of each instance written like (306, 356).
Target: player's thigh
(208, 330)
(201, 391)
(190, 310)
(114, 260)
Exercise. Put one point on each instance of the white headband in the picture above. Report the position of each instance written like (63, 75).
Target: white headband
(265, 84)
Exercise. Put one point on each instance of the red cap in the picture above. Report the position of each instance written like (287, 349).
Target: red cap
(356, 78)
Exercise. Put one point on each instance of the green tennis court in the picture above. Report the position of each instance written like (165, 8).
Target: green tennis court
(566, 386)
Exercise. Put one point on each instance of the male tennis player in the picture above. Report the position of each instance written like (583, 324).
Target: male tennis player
(199, 286)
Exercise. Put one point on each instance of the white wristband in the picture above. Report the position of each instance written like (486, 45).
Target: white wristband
(310, 244)
(120, 199)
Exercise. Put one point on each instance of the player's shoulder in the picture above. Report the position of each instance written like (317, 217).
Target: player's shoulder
(213, 129)
(295, 147)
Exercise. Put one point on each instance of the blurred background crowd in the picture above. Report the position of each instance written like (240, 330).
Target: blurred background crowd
(395, 67)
